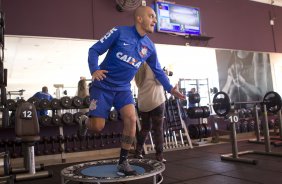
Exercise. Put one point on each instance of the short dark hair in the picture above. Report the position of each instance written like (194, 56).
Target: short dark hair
(45, 89)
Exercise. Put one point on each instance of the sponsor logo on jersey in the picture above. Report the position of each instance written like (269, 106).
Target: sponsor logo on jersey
(144, 51)
(107, 35)
(128, 59)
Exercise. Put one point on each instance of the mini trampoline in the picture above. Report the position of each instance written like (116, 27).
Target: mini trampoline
(106, 171)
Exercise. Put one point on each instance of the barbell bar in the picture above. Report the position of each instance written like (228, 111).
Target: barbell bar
(222, 104)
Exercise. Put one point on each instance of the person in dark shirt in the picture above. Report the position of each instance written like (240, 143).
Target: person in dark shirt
(190, 93)
(43, 95)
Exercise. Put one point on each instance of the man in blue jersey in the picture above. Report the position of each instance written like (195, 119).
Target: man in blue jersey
(43, 95)
(128, 47)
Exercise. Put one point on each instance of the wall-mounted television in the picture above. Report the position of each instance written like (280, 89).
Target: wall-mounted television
(177, 19)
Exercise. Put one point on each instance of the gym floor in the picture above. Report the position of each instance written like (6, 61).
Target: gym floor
(202, 165)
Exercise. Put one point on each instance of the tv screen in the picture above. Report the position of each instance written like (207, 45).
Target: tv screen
(178, 19)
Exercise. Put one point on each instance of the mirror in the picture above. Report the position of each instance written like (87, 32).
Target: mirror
(33, 62)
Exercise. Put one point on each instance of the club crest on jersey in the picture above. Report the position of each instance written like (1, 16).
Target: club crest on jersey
(93, 104)
(144, 51)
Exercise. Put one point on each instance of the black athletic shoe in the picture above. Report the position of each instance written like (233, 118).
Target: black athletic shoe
(160, 158)
(124, 169)
(138, 155)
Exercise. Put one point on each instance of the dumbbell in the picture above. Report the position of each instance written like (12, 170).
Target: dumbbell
(251, 125)
(34, 101)
(19, 102)
(241, 113)
(5, 118)
(76, 117)
(5, 165)
(271, 123)
(37, 149)
(6, 144)
(82, 142)
(12, 119)
(75, 139)
(101, 140)
(94, 137)
(45, 120)
(1, 143)
(113, 137)
(67, 118)
(45, 140)
(52, 140)
(11, 104)
(60, 139)
(119, 135)
(77, 101)
(67, 139)
(44, 104)
(86, 101)
(107, 136)
(14, 144)
(244, 126)
(55, 104)
(56, 120)
(66, 102)
(88, 137)
(3, 97)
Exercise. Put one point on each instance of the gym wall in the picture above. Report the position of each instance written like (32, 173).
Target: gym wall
(234, 24)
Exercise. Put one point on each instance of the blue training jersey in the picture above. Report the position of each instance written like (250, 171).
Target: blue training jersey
(40, 96)
(127, 50)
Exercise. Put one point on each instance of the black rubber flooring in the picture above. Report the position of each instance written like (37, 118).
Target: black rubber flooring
(203, 165)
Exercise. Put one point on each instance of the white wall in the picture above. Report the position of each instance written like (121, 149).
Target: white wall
(33, 62)
(189, 62)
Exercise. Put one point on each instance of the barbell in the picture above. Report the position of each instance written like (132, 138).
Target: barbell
(222, 105)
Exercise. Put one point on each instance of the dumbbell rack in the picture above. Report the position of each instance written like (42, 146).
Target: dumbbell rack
(234, 156)
(4, 157)
(176, 136)
(59, 140)
(276, 141)
(3, 72)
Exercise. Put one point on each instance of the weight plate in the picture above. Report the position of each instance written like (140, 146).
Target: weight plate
(272, 100)
(221, 104)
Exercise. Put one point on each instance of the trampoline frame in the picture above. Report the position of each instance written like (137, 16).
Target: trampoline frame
(67, 174)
